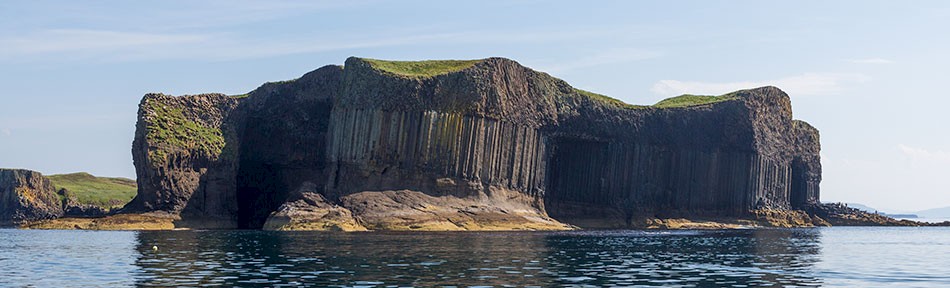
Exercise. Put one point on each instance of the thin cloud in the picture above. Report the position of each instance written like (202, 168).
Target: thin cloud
(924, 154)
(824, 158)
(807, 84)
(112, 46)
(77, 40)
(128, 46)
(172, 15)
(871, 61)
(65, 118)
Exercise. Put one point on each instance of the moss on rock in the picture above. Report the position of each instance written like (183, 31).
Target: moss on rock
(170, 127)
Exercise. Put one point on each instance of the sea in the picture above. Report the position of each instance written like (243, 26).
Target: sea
(832, 256)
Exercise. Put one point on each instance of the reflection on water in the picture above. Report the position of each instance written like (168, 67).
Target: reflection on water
(855, 257)
(727, 258)
(723, 258)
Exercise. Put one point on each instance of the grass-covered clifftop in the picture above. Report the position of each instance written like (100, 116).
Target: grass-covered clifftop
(692, 100)
(427, 68)
(608, 99)
(432, 68)
(685, 100)
(100, 191)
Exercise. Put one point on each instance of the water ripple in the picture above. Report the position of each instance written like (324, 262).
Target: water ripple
(733, 258)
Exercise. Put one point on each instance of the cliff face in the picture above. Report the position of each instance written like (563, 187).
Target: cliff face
(26, 196)
(740, 153)
(184, 155)
(447, 145)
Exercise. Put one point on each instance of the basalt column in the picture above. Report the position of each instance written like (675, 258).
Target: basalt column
(806, 166)
(632, 179)
(374, 150)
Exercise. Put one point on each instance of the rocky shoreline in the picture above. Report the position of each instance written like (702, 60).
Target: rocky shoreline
(326, 218)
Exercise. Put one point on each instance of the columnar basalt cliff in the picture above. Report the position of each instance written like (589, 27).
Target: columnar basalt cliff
(26, 196)
(464, 145)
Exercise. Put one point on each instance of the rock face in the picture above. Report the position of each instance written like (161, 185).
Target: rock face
(26, 196)
(181, 159)
(464, 145)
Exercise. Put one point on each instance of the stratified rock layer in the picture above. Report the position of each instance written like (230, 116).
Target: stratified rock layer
(491, 145)
(26, 196)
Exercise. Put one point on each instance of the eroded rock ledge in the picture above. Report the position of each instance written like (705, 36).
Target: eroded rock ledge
(465, 145)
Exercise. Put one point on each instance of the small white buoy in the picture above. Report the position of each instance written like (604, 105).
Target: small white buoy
(155, 248)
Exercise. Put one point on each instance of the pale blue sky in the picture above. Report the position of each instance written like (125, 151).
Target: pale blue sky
(870, 75)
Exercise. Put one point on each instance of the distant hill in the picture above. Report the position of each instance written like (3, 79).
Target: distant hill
(100, 191)
(862, 207)
(935, 213)
(869, 209)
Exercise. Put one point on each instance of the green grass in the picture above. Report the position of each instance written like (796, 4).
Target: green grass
(426, 68)
(100, 191)
(672, 102)
(608, 99)
(691, 100)
(172, 128)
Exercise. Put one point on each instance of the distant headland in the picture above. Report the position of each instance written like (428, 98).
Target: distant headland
(453, 145)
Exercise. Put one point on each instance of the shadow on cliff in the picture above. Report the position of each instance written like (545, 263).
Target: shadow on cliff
(213, 204)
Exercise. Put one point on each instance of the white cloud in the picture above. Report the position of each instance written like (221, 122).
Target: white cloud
(871, 61)
(924, 154)
(806, 84)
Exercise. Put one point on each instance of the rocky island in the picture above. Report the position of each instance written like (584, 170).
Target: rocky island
(465, 145)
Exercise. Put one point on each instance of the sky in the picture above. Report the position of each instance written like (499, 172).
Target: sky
(870, 75)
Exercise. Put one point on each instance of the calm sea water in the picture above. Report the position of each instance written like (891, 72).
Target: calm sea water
(839, 256)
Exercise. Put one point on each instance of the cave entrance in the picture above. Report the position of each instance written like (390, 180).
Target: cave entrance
(575, 177)
(282, 146)
(799, 188)
(259, 193)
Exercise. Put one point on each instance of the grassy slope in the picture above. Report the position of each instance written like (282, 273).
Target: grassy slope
(691, 100)
(672, 102)
(427, 68)
(608, 99)
(101, 191)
